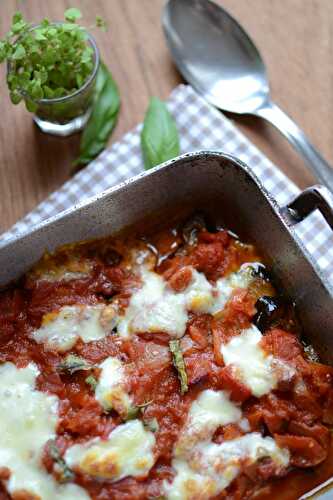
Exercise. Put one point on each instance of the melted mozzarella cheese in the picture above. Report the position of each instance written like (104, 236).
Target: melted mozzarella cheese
(28, 419)
(250, 447)
(198, 296)
(128, 451)
(254, 367)
(203, 469)
(209, 411)
(155, 307)
(226, 286)
(60, 330)
(110, 391)
(212, 467)
(189, 484)
(212, 409)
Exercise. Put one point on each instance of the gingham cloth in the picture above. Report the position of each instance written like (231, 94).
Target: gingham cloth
(201, 127)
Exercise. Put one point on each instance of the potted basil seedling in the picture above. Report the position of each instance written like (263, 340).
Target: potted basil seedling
(52, 67)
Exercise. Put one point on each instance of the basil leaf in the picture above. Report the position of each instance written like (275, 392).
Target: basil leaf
(144, 405)
(134, 410)
(132, 413)
(72, 14)
(152, 424)
(92, 382)
(15, 97)
(103, 117)
(73, 363)
(64, 472)
(29, 104)
(178, 363)
(100, 23)
(19, 52)
(159, 136)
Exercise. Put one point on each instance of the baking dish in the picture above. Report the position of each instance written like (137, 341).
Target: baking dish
(230, 194)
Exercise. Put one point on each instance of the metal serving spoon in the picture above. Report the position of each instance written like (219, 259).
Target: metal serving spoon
(221, 62)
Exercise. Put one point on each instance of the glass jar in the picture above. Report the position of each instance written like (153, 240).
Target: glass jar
(66, 115)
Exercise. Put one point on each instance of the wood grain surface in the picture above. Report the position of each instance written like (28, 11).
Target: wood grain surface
(295, 38)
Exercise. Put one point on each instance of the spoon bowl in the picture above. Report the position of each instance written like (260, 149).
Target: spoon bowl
(218, 58)
(225, 67)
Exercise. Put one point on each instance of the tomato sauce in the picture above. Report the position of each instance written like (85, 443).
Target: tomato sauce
(298, 414)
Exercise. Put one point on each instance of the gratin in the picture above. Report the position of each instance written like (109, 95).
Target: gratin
(164, 366)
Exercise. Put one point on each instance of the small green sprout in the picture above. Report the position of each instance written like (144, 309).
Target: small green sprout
(47, 61)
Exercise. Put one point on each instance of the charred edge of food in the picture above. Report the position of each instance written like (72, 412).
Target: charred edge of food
(111, 257)
(108, 255)
(259, 270)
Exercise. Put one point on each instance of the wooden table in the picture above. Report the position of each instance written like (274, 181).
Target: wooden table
(294, 36)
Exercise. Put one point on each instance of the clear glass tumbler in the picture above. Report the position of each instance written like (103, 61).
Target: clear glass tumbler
(66, 115)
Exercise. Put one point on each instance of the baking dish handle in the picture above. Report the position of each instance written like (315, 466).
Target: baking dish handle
(312, 198)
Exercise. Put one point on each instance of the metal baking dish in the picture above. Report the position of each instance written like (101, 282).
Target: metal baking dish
(226, 190)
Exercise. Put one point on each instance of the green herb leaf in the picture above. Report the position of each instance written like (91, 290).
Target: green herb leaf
(100, 23)
(36, 91)
(103, 117)
(49, 93)
(15, 97)
(69, 26)
(144, 405)
(134, 410)
(61, 468)
(159, 136)
(55, 59)
(92, 382)
(152, 424)
(132, 413)
(17, 17)
(101, 78)
(19, 52)
(3, 51)
(30, 105)
(41, 76)
(178, 362)
(73, 363)
(39, 35)
(19, 27)
(72, 14)
(45, 23)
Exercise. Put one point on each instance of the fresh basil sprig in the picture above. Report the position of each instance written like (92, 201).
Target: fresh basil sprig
(159, 136)
(103, 117)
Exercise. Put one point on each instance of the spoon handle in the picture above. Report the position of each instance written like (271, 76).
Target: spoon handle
(320, 168)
